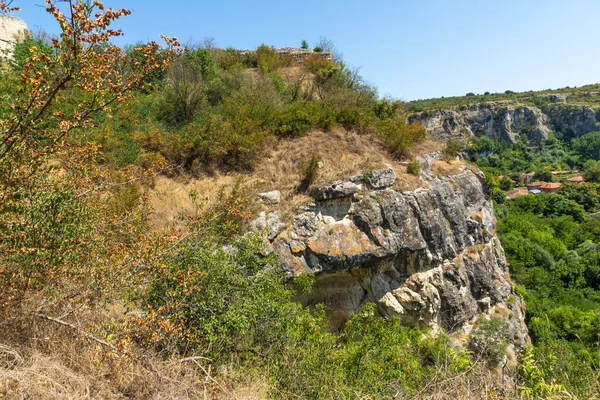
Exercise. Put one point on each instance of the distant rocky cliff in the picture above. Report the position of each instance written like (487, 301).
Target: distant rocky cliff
(10, 28)
(506, 121)
(429, 256)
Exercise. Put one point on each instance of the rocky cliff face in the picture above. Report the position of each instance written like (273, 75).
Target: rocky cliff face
(10, 28)
(429, 256)
(507, 122)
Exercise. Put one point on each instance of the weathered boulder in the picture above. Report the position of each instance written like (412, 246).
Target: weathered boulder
(335, 190)
(268, 224)
(271, 198)
(380, 178)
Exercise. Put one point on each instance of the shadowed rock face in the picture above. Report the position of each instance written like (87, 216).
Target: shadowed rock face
(429, 256)
(573, 120)
(507, 122)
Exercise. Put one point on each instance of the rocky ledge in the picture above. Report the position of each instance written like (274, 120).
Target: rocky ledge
(430, 255)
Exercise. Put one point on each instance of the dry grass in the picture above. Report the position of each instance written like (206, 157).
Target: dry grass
(474, 251)
(426, 146)
(478, 383)
(170, 196)
(406, 181)
(40, 359)
(43, 360)
(344, 154)
(42, 376)
(447, 168)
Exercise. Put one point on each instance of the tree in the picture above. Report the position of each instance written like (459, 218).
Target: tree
(183, 92)
(304, 44)
(506, 183)
(543, 175)
(22, 49)
(588, 146)
(592, 174)
(50, 183)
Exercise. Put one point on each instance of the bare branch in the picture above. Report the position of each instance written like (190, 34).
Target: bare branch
(75, 327)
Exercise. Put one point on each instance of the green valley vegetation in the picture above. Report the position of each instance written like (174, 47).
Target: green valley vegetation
(551, 242)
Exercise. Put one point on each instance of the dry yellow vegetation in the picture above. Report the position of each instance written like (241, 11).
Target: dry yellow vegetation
(343, 154)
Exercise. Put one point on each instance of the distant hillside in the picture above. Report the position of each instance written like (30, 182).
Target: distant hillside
(588, 94)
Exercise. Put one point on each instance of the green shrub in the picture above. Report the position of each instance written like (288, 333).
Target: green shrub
(489, 340)
(214, 302)
(356, 118)
(183, 93)
(228, 59)
(294, 120)
(414, 168)
(452, 148)
(506, 184)
(498, 196)
(398, 136)
(267, 59)
(204, 61)
(386, 108)
(310, 172)
(22, 50)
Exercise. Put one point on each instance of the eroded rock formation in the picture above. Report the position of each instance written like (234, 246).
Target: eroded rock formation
(429, 256)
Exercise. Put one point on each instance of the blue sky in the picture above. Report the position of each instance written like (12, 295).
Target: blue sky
(407, 49)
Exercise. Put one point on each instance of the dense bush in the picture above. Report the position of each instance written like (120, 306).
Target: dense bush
(452, 148)
(213, 112)
(399, 136)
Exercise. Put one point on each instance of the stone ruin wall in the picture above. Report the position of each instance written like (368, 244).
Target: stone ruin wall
(299, 55)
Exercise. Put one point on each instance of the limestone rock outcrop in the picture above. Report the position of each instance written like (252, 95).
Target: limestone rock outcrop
(429, 256)
(10, 28)
(573, 120)
(506, 121)
(271, 198)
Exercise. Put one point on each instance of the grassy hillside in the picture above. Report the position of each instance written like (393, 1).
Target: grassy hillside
(107, 293)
